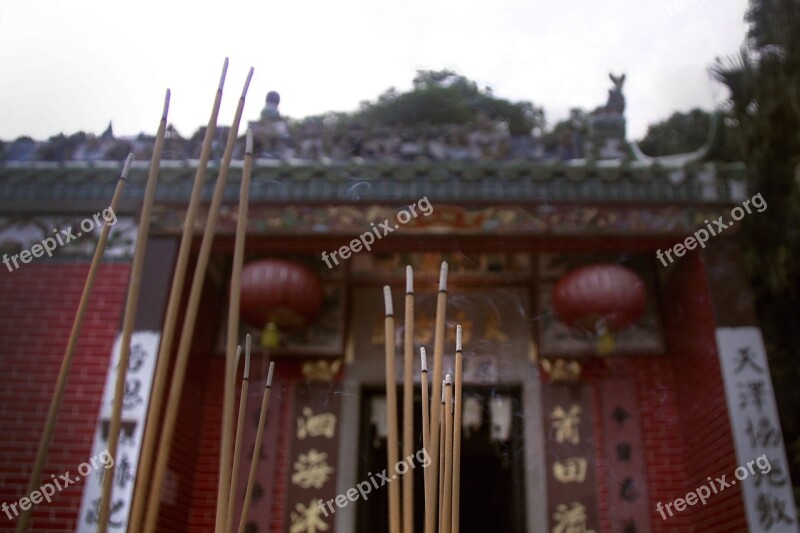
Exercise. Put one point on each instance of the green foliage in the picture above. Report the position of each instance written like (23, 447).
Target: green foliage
(764, 84)
(445, 98)
(680, 133)
(578, 121)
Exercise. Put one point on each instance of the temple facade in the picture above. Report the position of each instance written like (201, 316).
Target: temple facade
(615, 376)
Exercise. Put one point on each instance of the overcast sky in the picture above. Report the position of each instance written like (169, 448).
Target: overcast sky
(70, 66)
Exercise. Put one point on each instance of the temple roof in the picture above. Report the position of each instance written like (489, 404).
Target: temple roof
(27, 185)
(314, 161)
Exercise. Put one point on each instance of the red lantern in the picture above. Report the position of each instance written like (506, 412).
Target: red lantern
(601, 298)
(281, 292)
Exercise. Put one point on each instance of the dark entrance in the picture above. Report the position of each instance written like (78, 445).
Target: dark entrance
(492, 471)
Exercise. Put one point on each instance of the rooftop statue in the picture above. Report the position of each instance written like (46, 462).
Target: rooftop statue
(270, 111)
(616, 100)
(271, 132)
(607, 124)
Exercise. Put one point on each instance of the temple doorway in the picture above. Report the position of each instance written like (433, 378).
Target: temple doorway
(492, 469)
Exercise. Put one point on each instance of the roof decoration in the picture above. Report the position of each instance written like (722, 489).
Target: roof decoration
(279, 139)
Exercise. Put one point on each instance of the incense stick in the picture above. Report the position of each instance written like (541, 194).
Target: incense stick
(440, 495)
(391, 408)
(430, 498)
(239, 432)
(171, 318)
(408, 403)
(187, 333)
(69, 353)
(251, 480)
(448, 453)
(233, 333)
(456, 498)
(130, 317)
(438, 349)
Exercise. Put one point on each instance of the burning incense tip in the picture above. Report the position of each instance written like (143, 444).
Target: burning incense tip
(247, 357)
(443, 277)
(249, 147)
(448, 380)
(236, 358)
(127, 168)
(166, 105)
(247, 82)
(269, 375)
(443, 384)
(224, 73)
(423, 359)
(458, 338)
(387, 298)
(409, 280)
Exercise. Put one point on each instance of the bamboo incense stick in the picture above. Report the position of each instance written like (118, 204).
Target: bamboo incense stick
(130, 317)
(408, 402)
(440, 495)
(430, 498)
(448, 454)
(438, 350)
(233, 333)
(251, 480)
(187, 333)
(391, 407)
(69, 353)
(456, 498)
(171, 318)
(239, 432)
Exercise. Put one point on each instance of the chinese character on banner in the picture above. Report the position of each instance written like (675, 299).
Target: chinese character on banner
(141, 368)
(307, 518)
(316, 409)
(565, 424)
(315, 425)
(570, 519)
(624, 450)
(571, 470)
(571, 488)
(311, 469)
(752, 410)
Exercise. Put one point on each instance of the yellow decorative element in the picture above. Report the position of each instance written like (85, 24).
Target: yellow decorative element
(311, 470)
(562, 370)
(566, 424)
(322, 369)
(311, 425)
(306, 519)
(570, 519)
(605, 342)
(571, 470)
(270, 336)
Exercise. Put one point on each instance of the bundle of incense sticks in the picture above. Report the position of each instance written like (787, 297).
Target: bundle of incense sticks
(144, 513)
(441, 419)
(61, 383)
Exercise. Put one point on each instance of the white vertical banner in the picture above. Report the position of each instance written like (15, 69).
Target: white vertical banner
(767, 493)
(138, 383)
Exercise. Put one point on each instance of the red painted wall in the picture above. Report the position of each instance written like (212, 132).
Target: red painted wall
(683, 412)
(684, 415)
(37, 307)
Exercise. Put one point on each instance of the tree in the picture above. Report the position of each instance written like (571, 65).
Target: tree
(764, 84)
(680, 133)
(442, 97)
